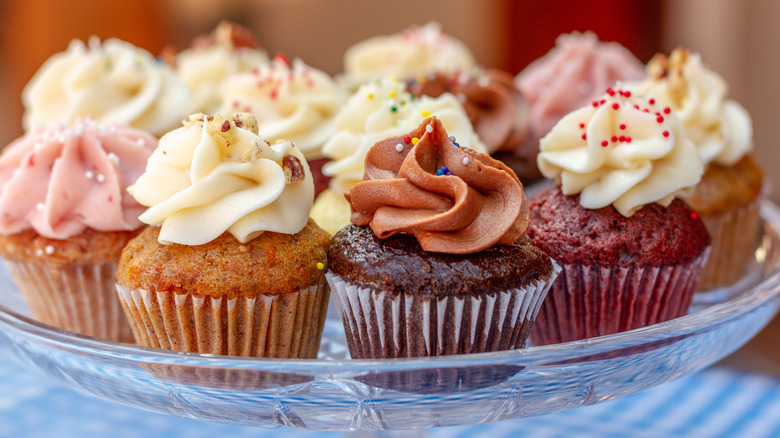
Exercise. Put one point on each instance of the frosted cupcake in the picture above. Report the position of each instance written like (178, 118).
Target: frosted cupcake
(416, 51)
(378, 110)
(66, 217)
(112, 82)
(231, 263)
(229, 50)
(729, 195)
(498, 111)
(577, 70)
(435, 262)
(632, 252)
(291, 101)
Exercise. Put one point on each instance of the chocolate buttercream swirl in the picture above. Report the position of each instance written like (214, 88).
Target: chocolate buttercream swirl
(452, 199)
(494, 105)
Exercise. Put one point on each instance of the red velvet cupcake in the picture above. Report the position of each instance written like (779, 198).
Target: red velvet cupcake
(632, 254)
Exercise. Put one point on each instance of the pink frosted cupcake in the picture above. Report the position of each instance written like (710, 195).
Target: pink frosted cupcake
(65, 218)
(632, 254)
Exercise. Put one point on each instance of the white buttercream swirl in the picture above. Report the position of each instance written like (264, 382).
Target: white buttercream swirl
(214, 175)
(294, 102)
(412, 52)
(115, 82)
(720, 128)
(620, 150)
(381, 109)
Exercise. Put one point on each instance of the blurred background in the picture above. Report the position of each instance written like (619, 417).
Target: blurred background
(739, 39)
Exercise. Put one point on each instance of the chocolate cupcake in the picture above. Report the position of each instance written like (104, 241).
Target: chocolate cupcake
(631, 253)
(729, 195)
(435, 262)
(497, 110)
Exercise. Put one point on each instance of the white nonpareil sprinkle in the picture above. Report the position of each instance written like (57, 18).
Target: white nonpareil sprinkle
(429, 129)
(39, 206)
(114, 158)
(141, 142)
(89, 174)
(61, 138)
(466, 161)
(49, 249)
(399, 147)
(101, 177)
(452, 138)
(483, 81)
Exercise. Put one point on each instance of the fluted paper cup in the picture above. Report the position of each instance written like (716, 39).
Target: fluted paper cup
(79, 298)
(587, 301)
(384, 324)
(287, 325)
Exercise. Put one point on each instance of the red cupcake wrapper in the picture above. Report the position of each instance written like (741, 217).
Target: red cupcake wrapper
(382, 324)
(587, 301)
(79, 298)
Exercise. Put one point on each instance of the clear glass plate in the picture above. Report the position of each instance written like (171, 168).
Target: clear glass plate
(335, 393)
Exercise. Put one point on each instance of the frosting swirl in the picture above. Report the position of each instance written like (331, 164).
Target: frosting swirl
(294, 102)
(452, 199)
(414, 51)
(214, 175)
(229, 50)
(380, 109)
(115, 82)
(720, 128)
(621, 150)
(494, 105)
(62, 180)
(577, 70)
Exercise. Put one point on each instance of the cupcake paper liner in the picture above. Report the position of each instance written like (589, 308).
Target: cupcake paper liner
(587, 301)
(79, 298)
(287, 325)
(382, 324)
(735, 237)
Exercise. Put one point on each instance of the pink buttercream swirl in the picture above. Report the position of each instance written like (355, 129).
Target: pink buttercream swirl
(64, 179)
(571, 75)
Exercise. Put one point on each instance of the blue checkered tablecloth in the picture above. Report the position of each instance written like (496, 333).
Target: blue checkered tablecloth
(716, 402)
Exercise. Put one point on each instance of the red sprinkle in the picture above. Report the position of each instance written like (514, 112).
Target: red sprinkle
(628, 139)
(694, 215)
(652, 101)
(584, 136)
(604, 143)
(281, 58)
(667, 110)
(615, 105)
(627, 93)
(274, 93)
(614, 138)
(407, 139)
(595, 103)
(636, 106)
(666, 133)
(582, 125)
(610, 91)
(622, 138)
(659, 119)
(622, 126)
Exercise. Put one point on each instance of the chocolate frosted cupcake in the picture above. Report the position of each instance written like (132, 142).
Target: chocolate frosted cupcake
(729, 195)
(497, 110)
(65, 218)
(231, 264)
(631, 253)
(435, 262)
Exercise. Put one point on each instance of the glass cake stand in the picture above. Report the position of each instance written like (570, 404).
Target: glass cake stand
(336, 393)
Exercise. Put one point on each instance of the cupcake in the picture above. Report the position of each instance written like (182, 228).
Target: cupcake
(435, 262)
(632, 252)
(227, 51)
(231, 263)
(497, 110)
(112, 82)
(416, 51)
(729, 195)
(66, 217)
(577, 70)
(380, 109)
(290, 101)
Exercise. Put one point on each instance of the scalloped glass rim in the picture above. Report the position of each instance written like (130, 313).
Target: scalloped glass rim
(756, 296)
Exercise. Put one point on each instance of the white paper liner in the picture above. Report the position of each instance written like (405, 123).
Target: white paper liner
(587, 301)
(287, 325)
(385, 324)
(735, 237)
(79, 298)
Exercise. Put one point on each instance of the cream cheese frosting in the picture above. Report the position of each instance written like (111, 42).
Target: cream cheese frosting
(720, 128)
(112, 82)
(214, 175)
(384, 108)
(64, 179)
(228, 51)
(289, 100)
(621, 150)
(414, 51)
